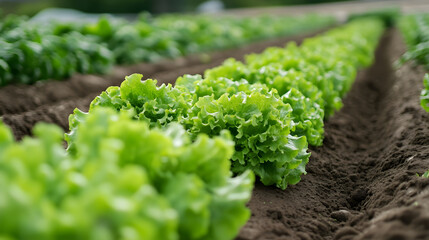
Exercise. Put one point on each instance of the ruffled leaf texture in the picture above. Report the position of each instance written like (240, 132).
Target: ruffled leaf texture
(258, 120)
(122, 181)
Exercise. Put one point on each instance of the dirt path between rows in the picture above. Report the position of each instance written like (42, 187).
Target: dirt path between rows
(22, 106)
(362, 183)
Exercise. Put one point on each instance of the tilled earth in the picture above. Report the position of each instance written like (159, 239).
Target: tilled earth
(361, 184)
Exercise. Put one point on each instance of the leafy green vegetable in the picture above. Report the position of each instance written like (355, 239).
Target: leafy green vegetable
(31, 54)
(122, 181)
(260, 124)
(307, 114)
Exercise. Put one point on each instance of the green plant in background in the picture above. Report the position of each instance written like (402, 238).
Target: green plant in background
(388, 15)
(123, 181)
(32, 51)
(415, 30)
(29, 53)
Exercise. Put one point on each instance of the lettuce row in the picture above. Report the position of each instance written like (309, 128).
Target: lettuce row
(322, 68)
(30, 54)
(123, 181)
(31, 50)
(257, 118)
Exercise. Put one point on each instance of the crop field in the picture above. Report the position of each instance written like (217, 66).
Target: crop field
(183, 127)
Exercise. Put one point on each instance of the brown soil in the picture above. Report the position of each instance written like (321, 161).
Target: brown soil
(22, 106)
(362, 183)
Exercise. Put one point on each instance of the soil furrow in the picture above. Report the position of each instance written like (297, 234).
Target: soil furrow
(23, 123)
(396, 205)
(366, 169)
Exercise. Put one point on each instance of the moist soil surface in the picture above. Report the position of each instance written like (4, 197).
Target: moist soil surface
(361, 184)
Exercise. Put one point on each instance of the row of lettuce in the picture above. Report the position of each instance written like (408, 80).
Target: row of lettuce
(31, 50)
(415, 30)
(164, 162)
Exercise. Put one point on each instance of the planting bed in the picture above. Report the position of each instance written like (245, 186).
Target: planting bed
(361, 184)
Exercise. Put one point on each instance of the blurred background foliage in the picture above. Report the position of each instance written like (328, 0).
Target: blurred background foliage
(31, 7)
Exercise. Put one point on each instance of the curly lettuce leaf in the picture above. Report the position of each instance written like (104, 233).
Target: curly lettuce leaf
(260, 125)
